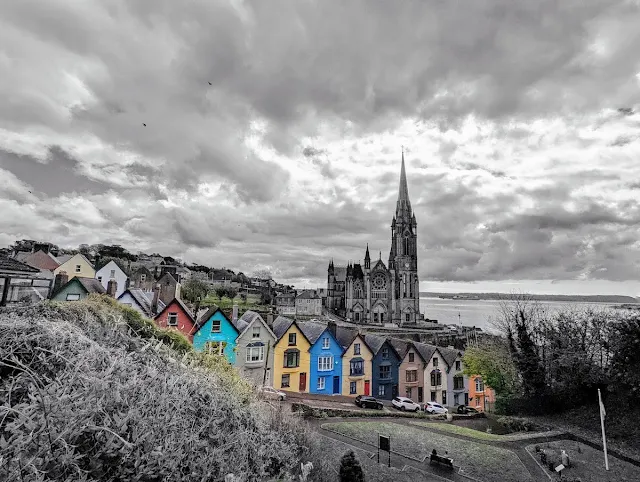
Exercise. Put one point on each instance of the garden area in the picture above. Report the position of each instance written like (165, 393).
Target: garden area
(586, 464)
(477, 460)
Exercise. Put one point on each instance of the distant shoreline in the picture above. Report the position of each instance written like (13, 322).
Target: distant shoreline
(506, 296)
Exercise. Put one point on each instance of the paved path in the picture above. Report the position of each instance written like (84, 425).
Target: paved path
(516, 446)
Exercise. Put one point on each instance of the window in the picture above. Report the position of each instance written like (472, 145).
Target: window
(256, 332)
(100, 279)
(291, 358)
(381, 390)
(412, 375)
(255, 354)
(325, 342)
(385, 372)
(285, 381)
(412, 357)
(385, 353)
(292, 339)
(479, 385)
(112, 274)
(407, 316)
(356, 316)
(458, 383)
(143, 277)
(325, 363)
(458, 365)
(375, 317)
(73, 297)
(216, 347)
(356, 348)
(78, 268)
(321, 383)
(408, 392)
(444, 398)
(215, 326)
(353, 388)
(435, 361)
(436, 378)
(356, 368)
(172, 319)
(433, 396)
(477, 401)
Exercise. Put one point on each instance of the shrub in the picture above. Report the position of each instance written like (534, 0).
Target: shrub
(350, 469)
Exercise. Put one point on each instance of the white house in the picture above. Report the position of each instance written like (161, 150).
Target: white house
(112, 271)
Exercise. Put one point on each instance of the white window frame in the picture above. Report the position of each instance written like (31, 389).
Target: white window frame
(170, 317)
(325, 363)
(356, 348)
(321, 383)
(381, 390)
(325, 343)
(255, 333)
(479, 385)
(251, 352)
(213, 324)
(435, 362)
(112, 274)
(143, 277)
(78, 268)
(73, 297)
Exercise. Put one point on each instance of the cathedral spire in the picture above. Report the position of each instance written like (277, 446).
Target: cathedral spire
(403, 191)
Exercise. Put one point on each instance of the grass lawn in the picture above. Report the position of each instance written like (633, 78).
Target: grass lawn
(477, 460)
(588, 463)
(467, 432)
(333, 450)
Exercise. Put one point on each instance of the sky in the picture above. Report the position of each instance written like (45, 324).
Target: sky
(260, 135)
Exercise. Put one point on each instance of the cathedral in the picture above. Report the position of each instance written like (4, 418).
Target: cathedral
(375, 293)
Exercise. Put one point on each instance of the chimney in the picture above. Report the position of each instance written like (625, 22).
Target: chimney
(331, 325)
(234, 316)
(154, 303)
(270, 319)
(196, 308)
(60, 280)
(112, 288)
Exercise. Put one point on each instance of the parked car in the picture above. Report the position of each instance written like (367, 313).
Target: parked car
(435, 408)
(404, 403)
(364, 401)
(272, 393)
(466, 409)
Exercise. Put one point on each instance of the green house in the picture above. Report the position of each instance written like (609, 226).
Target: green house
(77, 289)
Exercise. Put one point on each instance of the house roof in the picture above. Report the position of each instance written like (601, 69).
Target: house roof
(281, 325)
(42, 260)
(449, 355)
(22, 255)
(182, 306)
(376, 342)
(65, 257)
(144, 300)
(13, 265)
(426, 351)
(252, 318)
(208, 314)
(308, 295)
(169, 275)
(249, 315)
(400, 346)
(345, 336)
(312, 330)
(114, 264)
(92, 285)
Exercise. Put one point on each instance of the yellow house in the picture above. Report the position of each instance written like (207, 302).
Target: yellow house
(291, 358)
(356, 368)
(78, 266)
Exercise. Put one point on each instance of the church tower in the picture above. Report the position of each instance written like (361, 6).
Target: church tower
(403, 258)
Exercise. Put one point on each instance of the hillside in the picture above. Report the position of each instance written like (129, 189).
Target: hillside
(91, 391)
(559, 298)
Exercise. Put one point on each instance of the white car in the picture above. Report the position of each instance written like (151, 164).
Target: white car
(435, 408)
(404, 403)
(272, 393)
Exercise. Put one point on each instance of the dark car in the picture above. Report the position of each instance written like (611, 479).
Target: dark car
(364, 401)
(466, 409)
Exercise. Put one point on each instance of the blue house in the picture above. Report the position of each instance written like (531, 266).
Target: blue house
(385, 367)
(216, 334)
(325, 358)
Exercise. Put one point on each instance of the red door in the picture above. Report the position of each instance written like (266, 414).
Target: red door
(303, 382)
(366, 387)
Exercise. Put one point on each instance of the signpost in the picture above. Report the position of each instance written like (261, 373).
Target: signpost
(559, 469)
(384, 443)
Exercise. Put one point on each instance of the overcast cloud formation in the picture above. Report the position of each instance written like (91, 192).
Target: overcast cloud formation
(274, 129)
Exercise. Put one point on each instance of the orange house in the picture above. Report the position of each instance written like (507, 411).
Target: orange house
(481, 397)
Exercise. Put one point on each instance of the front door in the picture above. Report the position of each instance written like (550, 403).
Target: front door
(419, 394)
(367, 387)
(336, 384)
(303, 382)
(466, 399)
(394, 391)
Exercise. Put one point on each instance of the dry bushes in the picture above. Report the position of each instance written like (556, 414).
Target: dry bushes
(83, 399)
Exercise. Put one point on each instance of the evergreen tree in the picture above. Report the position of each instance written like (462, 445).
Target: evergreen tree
(350, 469)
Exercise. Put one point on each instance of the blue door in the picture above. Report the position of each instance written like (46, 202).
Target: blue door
(336, 384)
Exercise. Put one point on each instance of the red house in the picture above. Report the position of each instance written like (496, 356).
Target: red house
(176, 315)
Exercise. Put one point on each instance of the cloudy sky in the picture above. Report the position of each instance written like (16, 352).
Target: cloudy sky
(274, 130)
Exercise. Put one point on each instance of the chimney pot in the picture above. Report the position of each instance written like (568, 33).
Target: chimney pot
(154, 303)
(235, 313)
(112, 288)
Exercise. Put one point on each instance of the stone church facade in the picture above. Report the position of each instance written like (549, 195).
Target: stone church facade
(377, 293)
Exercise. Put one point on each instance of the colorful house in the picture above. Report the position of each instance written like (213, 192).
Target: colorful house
(410, 371)
(457, 381)
(111, 271)
(356, 363)
(76, 265)
(255, 345)
(78, 289)
(216, 334)
(45, 262)
(481, 397)
(435, 373)
(325, 358)
(141, 301)
(177, 316)
(291, 357)
(384, 367)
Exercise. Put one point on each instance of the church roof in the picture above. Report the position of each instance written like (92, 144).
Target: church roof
(357, 271)
(340, 273)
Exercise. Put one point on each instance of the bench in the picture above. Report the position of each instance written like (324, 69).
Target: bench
(439, 459)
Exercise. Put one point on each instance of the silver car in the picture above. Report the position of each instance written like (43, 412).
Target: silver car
(435, 408)
(272, 393)
(404, 403)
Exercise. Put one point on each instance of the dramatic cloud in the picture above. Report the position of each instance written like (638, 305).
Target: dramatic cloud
(256, 134)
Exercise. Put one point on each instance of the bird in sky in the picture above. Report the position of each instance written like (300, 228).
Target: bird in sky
(144, 125)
